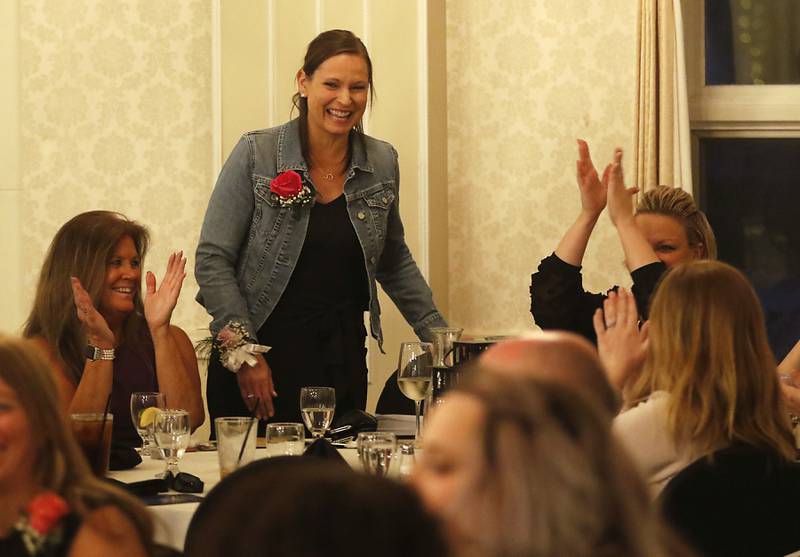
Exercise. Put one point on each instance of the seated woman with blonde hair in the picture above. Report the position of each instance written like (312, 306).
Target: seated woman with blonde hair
(699, 377)
(88, 318)
(50, 504)
(517, 466)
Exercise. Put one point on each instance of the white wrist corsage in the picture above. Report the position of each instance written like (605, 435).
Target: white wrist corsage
(236, 347)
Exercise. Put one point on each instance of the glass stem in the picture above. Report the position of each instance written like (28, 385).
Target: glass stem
(417, 403)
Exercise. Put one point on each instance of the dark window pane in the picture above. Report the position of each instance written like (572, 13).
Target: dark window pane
(750, 190)
(752, 42)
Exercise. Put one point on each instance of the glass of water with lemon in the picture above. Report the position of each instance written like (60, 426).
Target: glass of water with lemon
(145, 407)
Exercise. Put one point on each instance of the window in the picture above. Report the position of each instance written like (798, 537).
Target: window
(743, 66)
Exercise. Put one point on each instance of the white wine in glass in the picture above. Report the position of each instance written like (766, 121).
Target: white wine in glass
(415, 373)
(317, 405)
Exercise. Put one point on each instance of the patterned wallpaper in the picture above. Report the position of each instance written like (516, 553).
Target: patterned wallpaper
(116, 114)
(525, 79)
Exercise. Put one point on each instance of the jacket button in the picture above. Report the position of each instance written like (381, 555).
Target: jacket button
(361, 215)
(385, 199)
(372, 260)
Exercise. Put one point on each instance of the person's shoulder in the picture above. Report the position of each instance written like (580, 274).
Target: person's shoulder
(380, 154)
(107, 530)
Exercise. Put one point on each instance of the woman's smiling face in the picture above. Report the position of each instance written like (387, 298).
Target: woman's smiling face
(337, 94)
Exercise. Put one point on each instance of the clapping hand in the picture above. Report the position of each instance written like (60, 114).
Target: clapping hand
(621, 345)
(98, 333)
(159, 303)
(593, 189)
(620, 198)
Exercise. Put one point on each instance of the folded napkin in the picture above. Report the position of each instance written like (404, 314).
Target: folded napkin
(143, 488)
(123, 457)
(321, 448)
(351, 423)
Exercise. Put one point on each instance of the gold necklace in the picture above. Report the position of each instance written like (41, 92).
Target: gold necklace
(328, 174)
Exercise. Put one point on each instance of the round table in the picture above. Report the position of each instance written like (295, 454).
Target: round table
(171, 521)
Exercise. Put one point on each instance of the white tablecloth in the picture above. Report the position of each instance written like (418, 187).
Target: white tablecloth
(172, 521)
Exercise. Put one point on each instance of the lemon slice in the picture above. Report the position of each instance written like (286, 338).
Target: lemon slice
(148, 416)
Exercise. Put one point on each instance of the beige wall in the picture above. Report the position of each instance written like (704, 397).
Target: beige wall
(524, 79)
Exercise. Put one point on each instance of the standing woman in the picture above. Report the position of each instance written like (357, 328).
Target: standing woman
(666, 229)
(101, 339)
(303, 219)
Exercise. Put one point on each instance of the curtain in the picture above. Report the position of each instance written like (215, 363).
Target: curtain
(662, 136)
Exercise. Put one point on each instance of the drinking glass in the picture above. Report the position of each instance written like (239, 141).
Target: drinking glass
(93, 434)
(143, 421)
(415, 373)
(376, 450)
(317, 405)
(172, 434)
(285, 439)
(236, 442)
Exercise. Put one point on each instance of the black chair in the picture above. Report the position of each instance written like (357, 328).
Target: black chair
(742, 502)
(392, 401)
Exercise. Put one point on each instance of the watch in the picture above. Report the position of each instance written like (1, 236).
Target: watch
(94, 353)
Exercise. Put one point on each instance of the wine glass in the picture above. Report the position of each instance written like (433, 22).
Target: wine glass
(144, 419)
(415, 373)
(172, 432)
(317, 405)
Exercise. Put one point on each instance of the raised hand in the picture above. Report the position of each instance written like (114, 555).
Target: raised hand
(159, 303)
(621, 345)
(620, 198)
(98, 333)
(593, 189)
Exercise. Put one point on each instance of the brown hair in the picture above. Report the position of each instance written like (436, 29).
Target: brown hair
(678, 204)
(709, 351)
(60, 465)
(81, 248)
(553, 481)
(327, 45)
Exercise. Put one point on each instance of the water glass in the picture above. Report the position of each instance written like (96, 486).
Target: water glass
(317, 404)
(236, 442)
(285, 439)
(375, 451)
(172, 434)
(144, 419)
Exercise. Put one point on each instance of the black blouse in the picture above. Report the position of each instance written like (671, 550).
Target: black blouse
(558, 300)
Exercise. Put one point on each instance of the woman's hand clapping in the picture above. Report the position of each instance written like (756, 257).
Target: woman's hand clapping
(622, 346)
(593, 189)
(159, 303)
(620, 198)
(98, 333)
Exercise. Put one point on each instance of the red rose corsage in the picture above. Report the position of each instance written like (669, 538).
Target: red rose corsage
(40, 523)
(288, 188)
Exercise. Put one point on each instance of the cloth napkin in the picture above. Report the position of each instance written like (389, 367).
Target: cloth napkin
(321, 448)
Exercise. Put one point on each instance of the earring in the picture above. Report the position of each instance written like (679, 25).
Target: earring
(302, 95)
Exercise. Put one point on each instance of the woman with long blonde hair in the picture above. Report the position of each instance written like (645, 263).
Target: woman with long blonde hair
(700, 376)
(43, 473)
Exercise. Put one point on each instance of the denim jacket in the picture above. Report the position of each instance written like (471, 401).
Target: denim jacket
(249, 243)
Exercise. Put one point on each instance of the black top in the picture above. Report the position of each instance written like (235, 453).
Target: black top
(741, 501)
(558, 300)
(330, 272)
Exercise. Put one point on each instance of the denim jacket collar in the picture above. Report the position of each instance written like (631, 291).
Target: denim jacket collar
(290, 155)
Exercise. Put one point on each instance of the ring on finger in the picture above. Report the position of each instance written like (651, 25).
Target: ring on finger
(251, 395)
